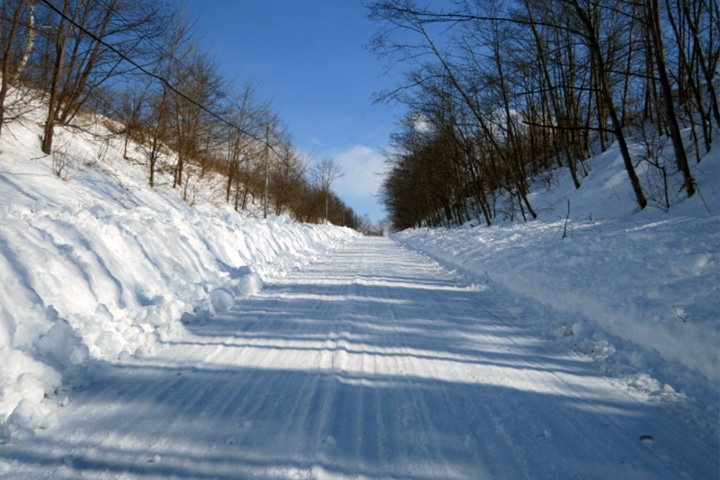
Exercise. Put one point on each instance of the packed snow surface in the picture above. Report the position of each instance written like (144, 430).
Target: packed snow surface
(373, 362)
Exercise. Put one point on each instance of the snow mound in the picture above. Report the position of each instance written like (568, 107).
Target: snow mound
(642, 285)
(98, 265)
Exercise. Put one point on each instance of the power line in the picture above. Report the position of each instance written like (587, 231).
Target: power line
(170, 57)
(160, 78)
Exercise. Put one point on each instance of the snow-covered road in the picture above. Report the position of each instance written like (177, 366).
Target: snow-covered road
(372, 363)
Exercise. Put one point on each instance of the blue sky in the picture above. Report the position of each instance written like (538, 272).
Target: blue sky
(310, 60)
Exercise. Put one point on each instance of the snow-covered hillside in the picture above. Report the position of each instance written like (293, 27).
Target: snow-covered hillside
(638, 291)
(96, 264)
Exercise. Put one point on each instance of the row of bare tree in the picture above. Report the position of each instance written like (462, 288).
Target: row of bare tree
(138, 63)
(501, 91)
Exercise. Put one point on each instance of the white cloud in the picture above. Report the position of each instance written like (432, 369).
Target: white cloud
(420, 123)
(363, 168)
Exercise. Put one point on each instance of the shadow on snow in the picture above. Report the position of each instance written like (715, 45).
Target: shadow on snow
(374, 376)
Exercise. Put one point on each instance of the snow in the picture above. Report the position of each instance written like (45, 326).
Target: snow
(94, 264)
(143, 337)
(634, 290)
(373, 362)
(221, 300)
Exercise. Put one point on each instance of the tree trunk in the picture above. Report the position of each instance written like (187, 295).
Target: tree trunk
(653, 20)
(6, 61)
(57, 72)
(29, 43)
(708, 73)
(596, 52)
(693, 82)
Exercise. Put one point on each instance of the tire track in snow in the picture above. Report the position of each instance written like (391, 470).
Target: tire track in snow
(371, 363)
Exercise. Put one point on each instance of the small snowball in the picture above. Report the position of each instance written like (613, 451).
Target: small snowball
(31, 386)
(78, 355)
(133, 333)
(110, 343)
(27, 414)
(221, 300)
(60, 344)
(577, 328)
(156, 315)
(249, 285)
(51, 314)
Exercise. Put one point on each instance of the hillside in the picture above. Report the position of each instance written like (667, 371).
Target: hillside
(95, 264)
(637, 292)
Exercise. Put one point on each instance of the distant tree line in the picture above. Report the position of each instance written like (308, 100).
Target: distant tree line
(138, 63)
(498, 91)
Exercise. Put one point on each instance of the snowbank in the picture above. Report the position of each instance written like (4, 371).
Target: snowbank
(94, 263)
(645, 284)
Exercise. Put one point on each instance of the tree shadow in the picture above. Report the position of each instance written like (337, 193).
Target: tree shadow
(237, 422)
(360, 376)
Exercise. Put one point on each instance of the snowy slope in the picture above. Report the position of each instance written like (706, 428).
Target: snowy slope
(95, 264)
(639, 292)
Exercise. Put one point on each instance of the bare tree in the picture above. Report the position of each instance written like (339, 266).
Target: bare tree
(652, 13)
(17, 34)
(129, 110)
(286, 177)
(175, 44)
(88, 42)
(325, 173)
(591, 34)
(247, 115)
(510, 88)
(192, 126)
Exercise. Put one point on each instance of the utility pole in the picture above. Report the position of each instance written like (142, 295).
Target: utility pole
(327, 209)
(267, 169)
